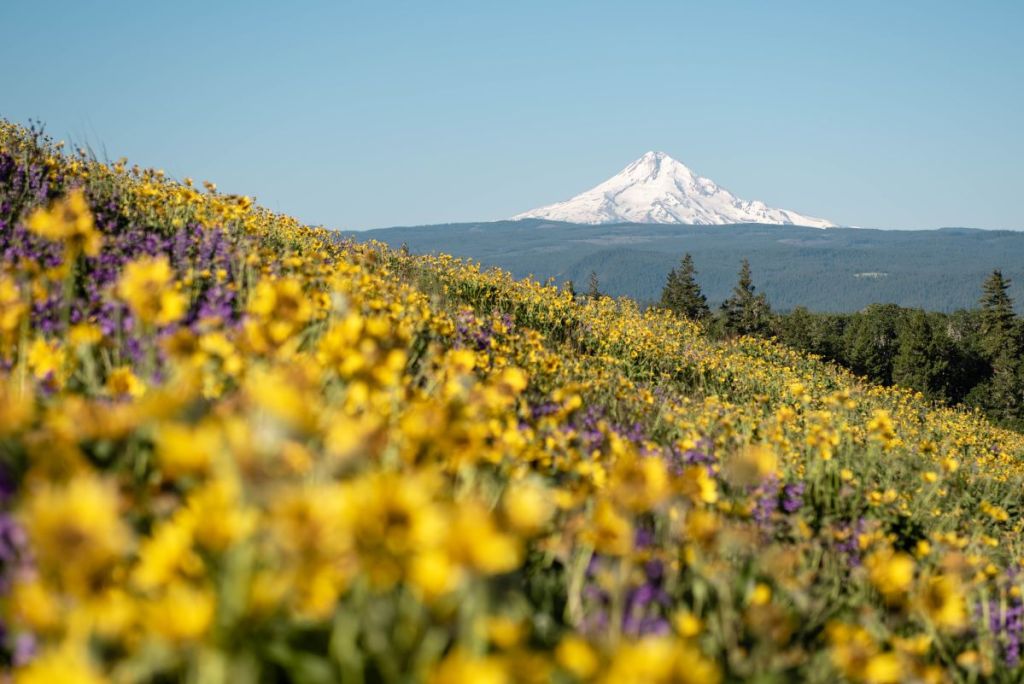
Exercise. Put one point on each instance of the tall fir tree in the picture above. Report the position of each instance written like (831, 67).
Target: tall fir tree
(997, 318)
(593, 286)
(682, 294)
(746, 312)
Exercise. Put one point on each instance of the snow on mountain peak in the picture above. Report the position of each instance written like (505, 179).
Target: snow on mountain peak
(658, 189)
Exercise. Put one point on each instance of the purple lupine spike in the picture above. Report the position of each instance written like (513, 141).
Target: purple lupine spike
(994, 616)
(545, 409)
(1013, 624)
(1012, 656)
(766, 501)
(851, 546)
(643, 538)
(793, 497)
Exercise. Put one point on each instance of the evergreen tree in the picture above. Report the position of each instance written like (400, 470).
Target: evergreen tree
(593, 286)
(682, 294)
(999, 338)
(1001, 396)
(968, 366)
(997, 317)
(746, 312)
(794, 329)
(922, 359)
(870, 341)
(810, 332)
(670, 294)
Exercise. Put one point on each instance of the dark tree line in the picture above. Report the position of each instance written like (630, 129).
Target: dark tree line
(973, 357)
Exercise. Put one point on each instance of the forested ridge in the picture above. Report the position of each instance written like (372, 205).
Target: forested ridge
(839, 270)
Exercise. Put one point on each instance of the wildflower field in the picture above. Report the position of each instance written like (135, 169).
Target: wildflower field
(234, 448)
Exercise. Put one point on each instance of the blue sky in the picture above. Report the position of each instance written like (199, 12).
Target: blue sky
(359, 115)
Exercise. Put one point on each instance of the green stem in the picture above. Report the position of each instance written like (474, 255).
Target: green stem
(574, 604)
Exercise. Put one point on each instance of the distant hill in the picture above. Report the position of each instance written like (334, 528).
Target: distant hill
(839, 270)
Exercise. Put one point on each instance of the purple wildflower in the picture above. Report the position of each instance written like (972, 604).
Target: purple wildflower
(793, 497)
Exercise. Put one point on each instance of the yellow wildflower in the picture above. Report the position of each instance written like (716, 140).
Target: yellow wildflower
(16, 406)
(434, 573)
(478, 542)
(122, 382)
(639, 483)
(609, 531)
(186, 450)
(761, 594)
(851, 649)
(941, 600)
(84, 334)
(892, 573)
(167, 553)
(698, 485)
(220, 516)
(12, 307)
(181, 612)
(461, 668)
(881, 429)
(67, 664)
(68, 220)
(652, 660)
(147, 287)
(282, 307)
(35, 606)
(503, 631)
(575, 655)
(78, 520)
(528, 507)
(884, 668)
(46, 358)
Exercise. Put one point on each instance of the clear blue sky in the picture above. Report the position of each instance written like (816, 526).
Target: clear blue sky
(369, 114)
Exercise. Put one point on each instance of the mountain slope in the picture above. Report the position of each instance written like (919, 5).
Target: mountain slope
(658, 189)
(277, 456)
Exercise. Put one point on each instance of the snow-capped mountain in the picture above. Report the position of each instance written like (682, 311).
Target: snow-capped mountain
(658, 189)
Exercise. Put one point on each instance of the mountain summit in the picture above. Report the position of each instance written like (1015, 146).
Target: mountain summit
(658, 189)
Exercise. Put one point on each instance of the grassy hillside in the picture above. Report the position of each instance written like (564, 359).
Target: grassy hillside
(235, 449)
(838, 270)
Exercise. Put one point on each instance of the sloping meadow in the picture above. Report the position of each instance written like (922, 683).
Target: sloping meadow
(234, 448)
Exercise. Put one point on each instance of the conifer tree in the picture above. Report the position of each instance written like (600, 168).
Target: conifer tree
(593, 286)
(670, 292)
(746, 312)
(997, 317)
(871, 341)
(682, 294)
(922, 359)
(1001, 396)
